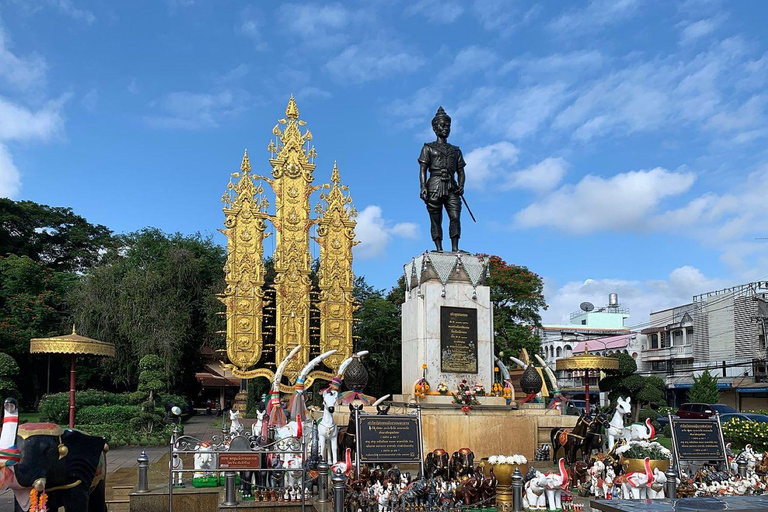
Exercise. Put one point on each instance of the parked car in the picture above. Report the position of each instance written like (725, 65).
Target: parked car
(703, 411)
(575, 407)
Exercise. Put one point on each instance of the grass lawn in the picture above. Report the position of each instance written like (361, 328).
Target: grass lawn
(666, 442)
(29, 417)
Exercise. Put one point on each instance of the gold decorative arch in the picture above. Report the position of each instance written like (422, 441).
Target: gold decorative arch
(286, 313)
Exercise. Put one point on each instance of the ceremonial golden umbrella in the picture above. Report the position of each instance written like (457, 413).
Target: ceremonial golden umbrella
(72, 345)
(587, 362)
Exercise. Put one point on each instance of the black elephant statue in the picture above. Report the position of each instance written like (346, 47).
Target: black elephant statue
(69, 465)
(462, 463)
(436, 464)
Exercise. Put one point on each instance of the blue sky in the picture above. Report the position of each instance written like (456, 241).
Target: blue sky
(611, 145)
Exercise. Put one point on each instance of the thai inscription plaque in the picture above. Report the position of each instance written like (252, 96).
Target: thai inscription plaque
(389, 438)
(239, 460)
(458, 340)
(698, 439)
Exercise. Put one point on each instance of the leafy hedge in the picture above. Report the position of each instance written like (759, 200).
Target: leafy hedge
(118, 434)
(740, 433)
(102, 414)
(55, 408)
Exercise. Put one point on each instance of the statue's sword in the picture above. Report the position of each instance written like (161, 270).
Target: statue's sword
(468, 209)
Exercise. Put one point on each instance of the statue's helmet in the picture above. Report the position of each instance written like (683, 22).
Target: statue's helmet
(440, 115)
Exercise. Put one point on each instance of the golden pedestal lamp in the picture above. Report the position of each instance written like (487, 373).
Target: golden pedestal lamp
(72, 345)
(587, 362)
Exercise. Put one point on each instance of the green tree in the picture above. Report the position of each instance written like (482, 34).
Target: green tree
(9, 370)
(653, 393)
(32, 305)
(704, 389)
(517, 295)
(377, 328)
(152, 296)
(151, 383)
(53, 235)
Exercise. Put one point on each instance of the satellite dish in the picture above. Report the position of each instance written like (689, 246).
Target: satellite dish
(587, 306)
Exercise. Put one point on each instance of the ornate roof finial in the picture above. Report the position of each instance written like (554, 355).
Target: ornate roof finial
(74, 332)
(292, 110)
(335, 178)
(245, 165)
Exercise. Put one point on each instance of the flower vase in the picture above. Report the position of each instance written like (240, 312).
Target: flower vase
(503, 474)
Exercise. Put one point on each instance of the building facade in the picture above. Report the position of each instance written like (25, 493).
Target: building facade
(722, 332)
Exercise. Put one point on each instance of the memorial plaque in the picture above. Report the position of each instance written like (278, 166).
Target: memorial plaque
(389, 438)
(698, 439)
(239, 460)
(458, 340)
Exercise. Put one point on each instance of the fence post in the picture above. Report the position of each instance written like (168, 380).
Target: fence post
(230, 497)
(671, 475)
(322, 482)
(143, 461)
(339, 488)
(517, 490)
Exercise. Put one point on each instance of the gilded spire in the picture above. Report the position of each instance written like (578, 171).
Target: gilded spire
(245, 165)
(292, 110)
(335, 174)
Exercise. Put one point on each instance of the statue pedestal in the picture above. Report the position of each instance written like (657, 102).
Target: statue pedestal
(447, 321)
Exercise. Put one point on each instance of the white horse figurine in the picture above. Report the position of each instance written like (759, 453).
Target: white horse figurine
(235, 428)
(327, 429)
(615, 428)
(258, 424)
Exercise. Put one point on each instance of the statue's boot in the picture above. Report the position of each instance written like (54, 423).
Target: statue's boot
(455, 244)
(438, 245)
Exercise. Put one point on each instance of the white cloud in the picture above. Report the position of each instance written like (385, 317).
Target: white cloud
(317, 25)
(374, 232)
(488, 163)
(697, 29)
(133, 87)
(313, 92)
(250, 26)
(436, 11)
(10, 178)
(191, 111)
(597, 14)
(540, 177)
(69, 9)
(90, 100)
(640, 297)
(20, 123)
(622, 202)
(21, 73)
(502, 16)
(372, 60)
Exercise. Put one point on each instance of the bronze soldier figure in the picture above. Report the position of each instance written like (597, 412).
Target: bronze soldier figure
(444, 186)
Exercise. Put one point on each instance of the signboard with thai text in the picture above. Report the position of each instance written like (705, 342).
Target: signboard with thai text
(458, 340)
(389, 438)
(698, 439)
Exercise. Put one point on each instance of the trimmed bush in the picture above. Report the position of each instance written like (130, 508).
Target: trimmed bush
(743, 432)
(55, 407)
(102, 414)
(123, 435)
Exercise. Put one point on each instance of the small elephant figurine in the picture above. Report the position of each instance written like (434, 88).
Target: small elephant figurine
(556, 482)
(534, 497)
(436, 464)
(462, 463)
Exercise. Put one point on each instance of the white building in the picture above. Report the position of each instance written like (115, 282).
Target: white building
(721, 331)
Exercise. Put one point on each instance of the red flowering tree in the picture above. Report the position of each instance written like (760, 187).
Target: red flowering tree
(517, 295)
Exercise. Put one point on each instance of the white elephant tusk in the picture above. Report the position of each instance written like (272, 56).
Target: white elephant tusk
(281, 368)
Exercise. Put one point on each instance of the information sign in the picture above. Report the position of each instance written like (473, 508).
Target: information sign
(239, 460)
(458, 340)
(698, 440)
(388, 438)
